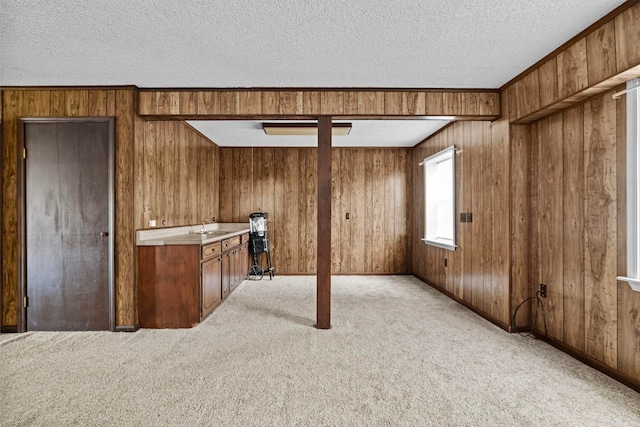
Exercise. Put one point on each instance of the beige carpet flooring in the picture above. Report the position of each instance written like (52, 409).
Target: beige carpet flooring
(399, 353)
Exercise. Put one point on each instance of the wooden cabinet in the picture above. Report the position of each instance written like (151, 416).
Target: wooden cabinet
(234, 263)
(169, 286)
(180, 285)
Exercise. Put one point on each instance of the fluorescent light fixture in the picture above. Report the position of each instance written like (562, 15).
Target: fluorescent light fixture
(303, 128)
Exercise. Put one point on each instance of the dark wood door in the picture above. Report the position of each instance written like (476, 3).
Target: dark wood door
(67, 219)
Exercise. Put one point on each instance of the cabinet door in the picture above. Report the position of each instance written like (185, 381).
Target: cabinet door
(211, 285)
(234, 269)
(226, 274)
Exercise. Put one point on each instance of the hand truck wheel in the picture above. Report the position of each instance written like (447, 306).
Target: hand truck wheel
(255, 272)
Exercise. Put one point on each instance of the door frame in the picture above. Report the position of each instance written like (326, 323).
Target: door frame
(22, 204)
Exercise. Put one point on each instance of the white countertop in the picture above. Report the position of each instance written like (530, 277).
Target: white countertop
(190, 234)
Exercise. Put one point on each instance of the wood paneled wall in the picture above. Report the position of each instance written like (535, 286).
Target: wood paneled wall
(295, 103)
(579, 156)
(477, 272)
(596, 61)
(70, 103)
(371, 185)
(176, 177)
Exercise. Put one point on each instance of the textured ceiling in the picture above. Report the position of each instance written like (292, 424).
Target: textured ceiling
(283, 43)
(286, 43)
(364, 133)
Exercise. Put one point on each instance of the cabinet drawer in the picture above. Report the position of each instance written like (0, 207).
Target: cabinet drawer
(244, 238)
(229, 243)
(211, 250)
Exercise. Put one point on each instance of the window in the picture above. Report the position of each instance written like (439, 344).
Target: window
(633, 186)
(440, 199)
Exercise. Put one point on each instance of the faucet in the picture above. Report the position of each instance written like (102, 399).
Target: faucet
(204, 221)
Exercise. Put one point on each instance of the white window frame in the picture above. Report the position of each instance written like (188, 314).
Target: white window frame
(429, 163)
(633, 186)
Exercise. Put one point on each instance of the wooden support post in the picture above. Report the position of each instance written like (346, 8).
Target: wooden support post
(323, 305)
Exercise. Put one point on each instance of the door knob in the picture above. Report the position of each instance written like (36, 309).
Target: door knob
(104, 234)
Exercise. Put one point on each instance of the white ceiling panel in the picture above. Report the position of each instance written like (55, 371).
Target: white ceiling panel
(364, 133)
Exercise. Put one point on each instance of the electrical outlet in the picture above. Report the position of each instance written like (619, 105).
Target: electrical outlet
(543, 290)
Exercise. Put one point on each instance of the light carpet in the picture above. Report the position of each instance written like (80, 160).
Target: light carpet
(399, 353)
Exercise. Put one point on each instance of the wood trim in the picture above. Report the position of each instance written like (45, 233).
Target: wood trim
(580, 356)
(9, 329)
(128, 328)
(254, 104)
(466, 304)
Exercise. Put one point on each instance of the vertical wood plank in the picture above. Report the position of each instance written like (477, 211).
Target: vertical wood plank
(393, 103)
(521, 222)
(11, 112)
(188, 102)
(371, 103)
(357, 211)
(548, 77)
(97, 103)
(550, 228)
(226, 196)
(208, 102)
(76, 103)
(389, 211)
(351, 103)
(149, 182)
(346, 185)
(572, 69)
(332, 102)
(501, 212)
(601, 53)
(378, 209)
(368, 211)
(477, 209)
(527, 94)
(336, 208)
(573, 220)
(250, 102)
(139, 220)
(401, 215)
(279, 218)
(413, 103)
(235, 186)
(311, 102)
(627, 29)
(58, 103)
(126, 313)
(290, 102)
(228, 102)
(163, 102)
(600, 231)
(148, 103)
(35, 103)
(269, 102)
(453, 103)
(434, 103)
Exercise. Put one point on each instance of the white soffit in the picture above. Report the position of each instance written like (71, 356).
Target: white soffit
(364, 133)
(283, 43)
